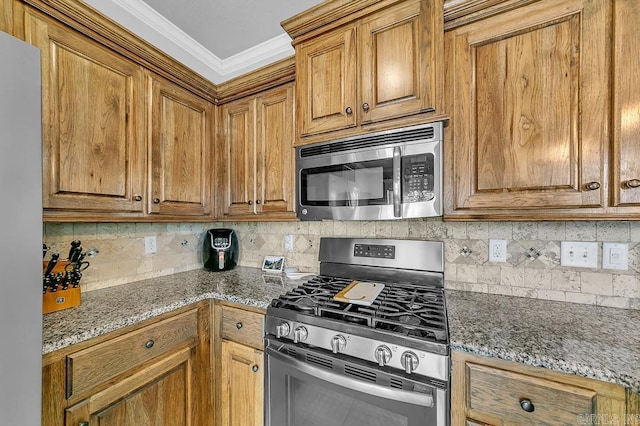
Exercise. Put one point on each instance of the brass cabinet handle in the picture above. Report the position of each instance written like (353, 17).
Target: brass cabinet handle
(138, 198)
(255, 368)
(348, 110)
(592, 186)
(633, 183)
(238, 325)
(365, 106)
(156, 201)
(527, 405)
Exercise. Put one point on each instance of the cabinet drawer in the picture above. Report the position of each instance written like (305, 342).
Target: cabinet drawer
(95, 365)
(500, 393)
(243, 327)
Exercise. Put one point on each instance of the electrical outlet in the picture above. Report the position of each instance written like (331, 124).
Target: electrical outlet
(150, 246)
(579, 254)
(288, 242)
(615, 256)
(497, 250)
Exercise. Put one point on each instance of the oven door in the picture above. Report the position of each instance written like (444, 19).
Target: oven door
(307, 387)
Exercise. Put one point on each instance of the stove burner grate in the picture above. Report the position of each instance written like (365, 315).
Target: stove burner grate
(403, 308)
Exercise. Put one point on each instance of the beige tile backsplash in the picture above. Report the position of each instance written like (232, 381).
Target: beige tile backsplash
(532, 268)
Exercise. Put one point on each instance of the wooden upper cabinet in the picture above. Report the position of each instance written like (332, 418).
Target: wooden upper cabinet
(396, 62)
(326, 72)
(528, 94)
(274, 152)
(238, 154)
(255, 154)
(180, 151)
(368, 66)
(93, 140)
(626, 132)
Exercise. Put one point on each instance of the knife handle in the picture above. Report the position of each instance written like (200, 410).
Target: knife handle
(52, 263)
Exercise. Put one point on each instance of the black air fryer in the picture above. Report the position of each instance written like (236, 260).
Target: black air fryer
(220, 250)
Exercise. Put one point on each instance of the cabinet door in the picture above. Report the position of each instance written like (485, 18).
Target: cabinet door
(626, 148)
(242, 385)
(93, 138)
(326, 82)
(238, 154)
(528, 99)
(398, 62)
(181, 171)
(158, 395)
(274, 152)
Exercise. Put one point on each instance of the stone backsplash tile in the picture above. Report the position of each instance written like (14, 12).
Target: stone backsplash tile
(532, 268)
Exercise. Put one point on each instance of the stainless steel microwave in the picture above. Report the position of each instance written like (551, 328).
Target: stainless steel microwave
(393, 174)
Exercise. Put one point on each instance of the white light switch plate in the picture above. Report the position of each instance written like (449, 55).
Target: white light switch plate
(579, 254)
(615, 256)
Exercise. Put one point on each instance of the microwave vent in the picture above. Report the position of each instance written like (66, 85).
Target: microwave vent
(385, 138)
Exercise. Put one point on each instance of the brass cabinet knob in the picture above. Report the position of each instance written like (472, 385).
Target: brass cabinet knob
(349, 110)
(592, 186)
(138, 198)
(633, 183)
(156, 201)
(365, 106)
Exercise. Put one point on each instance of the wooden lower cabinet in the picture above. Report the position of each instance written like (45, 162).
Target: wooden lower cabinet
(239, 365)
(157, 373)
(241, 385)
(489, 391)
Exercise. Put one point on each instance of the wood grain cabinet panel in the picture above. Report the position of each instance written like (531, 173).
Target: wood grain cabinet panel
(239, 365)
(490, 391)
(157, 373)
(256, 157)
(383, 63)
(528, 96)
(626, 115)
(93, 156)
(181, 172)
(242, 385)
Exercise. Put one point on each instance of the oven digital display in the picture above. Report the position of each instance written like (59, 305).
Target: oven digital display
(375, 250)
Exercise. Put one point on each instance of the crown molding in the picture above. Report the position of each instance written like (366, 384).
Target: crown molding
(147, 23)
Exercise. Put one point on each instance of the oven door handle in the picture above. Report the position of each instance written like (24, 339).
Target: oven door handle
(397, 155)
(399, 395)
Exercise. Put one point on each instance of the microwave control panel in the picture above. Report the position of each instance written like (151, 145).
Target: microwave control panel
(417, 178)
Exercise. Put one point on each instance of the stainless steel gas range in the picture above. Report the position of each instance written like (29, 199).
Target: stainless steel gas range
(365, 343)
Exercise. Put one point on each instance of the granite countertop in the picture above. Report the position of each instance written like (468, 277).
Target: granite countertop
(590, 341)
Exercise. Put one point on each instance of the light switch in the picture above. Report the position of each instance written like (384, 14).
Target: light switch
(615, 256)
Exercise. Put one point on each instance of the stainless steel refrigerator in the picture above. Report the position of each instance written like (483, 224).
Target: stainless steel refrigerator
(20, 233)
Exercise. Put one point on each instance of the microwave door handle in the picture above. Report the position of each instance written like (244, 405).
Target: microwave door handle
(397, 155)
(393, 394)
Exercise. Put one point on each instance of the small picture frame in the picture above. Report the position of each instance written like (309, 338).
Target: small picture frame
(273, 264)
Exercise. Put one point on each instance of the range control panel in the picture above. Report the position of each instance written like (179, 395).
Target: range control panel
(374, 250)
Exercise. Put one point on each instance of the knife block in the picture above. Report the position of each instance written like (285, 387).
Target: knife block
(61, 299)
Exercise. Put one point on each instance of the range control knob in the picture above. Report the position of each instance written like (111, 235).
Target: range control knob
(338, 343)
(283, 330)
(409, 362)
(383, 355)
(300, 334)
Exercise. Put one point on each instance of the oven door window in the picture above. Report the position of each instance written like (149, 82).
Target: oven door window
(353, 184)
(299, 397)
